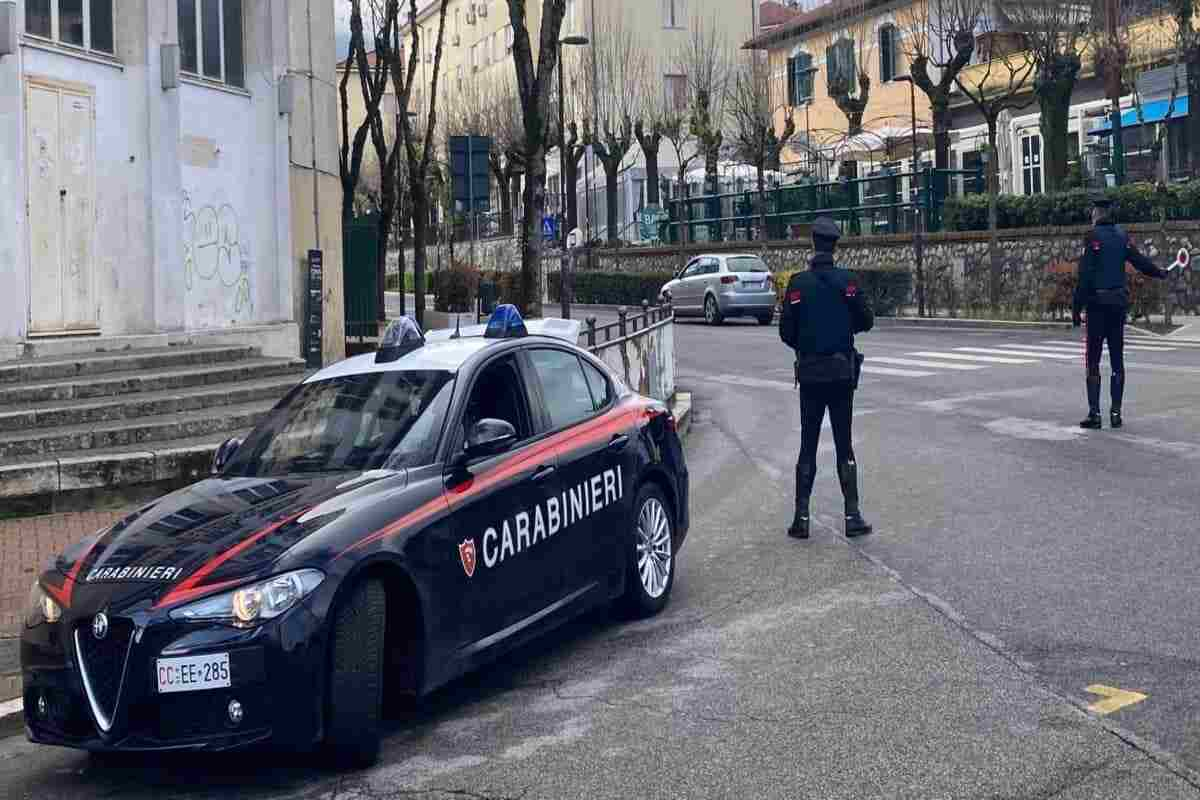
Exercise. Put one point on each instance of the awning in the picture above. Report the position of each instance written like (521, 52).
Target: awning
(1155, 111)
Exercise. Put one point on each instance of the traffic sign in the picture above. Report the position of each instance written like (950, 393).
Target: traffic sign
(470, 180)
(550, 228)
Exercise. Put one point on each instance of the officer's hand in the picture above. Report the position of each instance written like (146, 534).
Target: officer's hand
(1076, 321)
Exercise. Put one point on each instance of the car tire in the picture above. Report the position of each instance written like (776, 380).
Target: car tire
(766, 319)
(712, 311)
(648, 580)
(354, 700)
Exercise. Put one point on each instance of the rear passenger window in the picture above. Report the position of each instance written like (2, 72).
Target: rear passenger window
(601, 390)
(568, 398)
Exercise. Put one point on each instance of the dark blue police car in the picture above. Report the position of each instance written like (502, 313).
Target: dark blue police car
(398, 519)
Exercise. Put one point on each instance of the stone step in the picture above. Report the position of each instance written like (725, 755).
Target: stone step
(53, 442)
(177, 461)
(144, 404)
(41, 370)
(145, 380)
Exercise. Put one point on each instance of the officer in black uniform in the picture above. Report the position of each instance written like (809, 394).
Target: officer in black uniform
(822, 310)
(1103, 292)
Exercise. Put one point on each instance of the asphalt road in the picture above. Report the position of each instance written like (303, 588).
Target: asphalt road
(1017, 561)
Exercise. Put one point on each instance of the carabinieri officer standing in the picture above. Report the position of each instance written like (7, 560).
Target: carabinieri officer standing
(1103, 291)
(822, 310)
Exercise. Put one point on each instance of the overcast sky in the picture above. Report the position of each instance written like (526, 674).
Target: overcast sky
(341, 27)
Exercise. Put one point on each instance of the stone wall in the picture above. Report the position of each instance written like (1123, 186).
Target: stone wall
(1031, 264)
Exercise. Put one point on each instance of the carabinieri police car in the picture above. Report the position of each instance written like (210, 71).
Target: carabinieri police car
(398, 519)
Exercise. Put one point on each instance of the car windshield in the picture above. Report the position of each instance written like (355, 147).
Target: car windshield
(746, 264)
(381, 420)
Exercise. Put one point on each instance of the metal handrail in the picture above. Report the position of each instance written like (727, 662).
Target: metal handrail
(625, 325)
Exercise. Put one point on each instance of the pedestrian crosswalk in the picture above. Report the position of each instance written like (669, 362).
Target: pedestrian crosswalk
(929, 363)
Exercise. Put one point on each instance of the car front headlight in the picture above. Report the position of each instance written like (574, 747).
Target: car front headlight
(41, 607)
(258, 602)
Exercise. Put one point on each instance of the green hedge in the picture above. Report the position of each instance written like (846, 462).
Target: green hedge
(613, 288)
(1138, 202)
(885, 289)
(393, 282)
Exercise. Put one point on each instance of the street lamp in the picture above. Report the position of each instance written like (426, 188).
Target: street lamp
(564, 283)
(573, 41)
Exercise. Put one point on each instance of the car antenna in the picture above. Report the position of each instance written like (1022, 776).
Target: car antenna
(457, 330)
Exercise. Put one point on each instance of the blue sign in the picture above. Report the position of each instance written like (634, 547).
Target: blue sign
(550, 228)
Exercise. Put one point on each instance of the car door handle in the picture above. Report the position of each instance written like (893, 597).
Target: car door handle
(618, 443)
(541, 473)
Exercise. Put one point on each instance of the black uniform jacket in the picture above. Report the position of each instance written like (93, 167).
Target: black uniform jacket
(1102, 268)
(822, 310)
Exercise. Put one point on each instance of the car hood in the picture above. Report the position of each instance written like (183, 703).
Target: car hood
(212, 534)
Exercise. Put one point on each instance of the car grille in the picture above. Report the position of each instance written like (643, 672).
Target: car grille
(103, 664)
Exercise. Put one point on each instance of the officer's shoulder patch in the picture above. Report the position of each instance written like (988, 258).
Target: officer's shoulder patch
(795, 296)
(852, 289)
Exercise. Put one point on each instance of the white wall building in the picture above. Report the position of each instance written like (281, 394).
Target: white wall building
(142, 199)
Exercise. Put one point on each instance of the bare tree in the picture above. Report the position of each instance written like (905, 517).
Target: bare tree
(705, 61)
(999, 85)
(677, 129)
(939, 35)
(614, 82)
(1055, 32)
(653, 111)
(1188, 44)
(534, 89)
(756, 139)
(506, 158)
(372, 84)
(418, 143)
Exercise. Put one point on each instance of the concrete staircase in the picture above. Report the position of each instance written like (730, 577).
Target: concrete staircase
(130, 418)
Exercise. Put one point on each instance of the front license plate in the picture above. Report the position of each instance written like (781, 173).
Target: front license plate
(193, 673)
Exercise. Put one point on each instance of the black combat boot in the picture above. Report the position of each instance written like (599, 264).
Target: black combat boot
(1093, 392)
(805, 476)
(855, 524)
(1117, 386)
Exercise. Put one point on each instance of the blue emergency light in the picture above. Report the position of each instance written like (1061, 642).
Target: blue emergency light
(402, 336)
(506, 323)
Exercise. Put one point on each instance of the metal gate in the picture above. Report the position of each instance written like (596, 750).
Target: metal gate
(359, 262)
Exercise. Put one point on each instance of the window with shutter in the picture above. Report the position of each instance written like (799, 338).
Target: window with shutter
(887, 53)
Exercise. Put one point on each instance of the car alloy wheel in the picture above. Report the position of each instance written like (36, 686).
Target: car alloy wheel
(654, 547)
(712, 314)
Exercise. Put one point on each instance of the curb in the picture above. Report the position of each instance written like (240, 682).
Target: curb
(12, 718)
(681, 407)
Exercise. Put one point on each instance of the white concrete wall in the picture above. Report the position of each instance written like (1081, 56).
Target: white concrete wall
(192, 184)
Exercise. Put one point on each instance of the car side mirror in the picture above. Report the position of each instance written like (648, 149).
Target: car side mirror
(489, 437)
(224, 455)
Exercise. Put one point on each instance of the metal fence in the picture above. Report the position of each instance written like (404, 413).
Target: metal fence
(887, 202)
(594, 336)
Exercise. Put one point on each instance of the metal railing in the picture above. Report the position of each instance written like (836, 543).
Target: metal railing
(625, 325)
(883, 203)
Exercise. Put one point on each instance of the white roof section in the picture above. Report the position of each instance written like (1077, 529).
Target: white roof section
(433, 357)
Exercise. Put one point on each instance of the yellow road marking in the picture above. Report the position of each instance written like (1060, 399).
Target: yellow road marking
(1115, 699)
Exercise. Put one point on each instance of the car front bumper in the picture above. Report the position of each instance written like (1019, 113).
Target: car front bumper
(276, 676)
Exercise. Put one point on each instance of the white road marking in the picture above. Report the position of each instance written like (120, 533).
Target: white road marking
(951, 403)
(979, 359)
(1035, 429)
(1156, 349)
(896, 373)
(908, 362)
(1009, 351)
(1041, 348)
(1170, 341)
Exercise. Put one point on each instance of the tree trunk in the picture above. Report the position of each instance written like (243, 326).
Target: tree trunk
(531, 229)
(762, 203)
(506, 202)
(572, 179)
(420, 203)
(610, 198)
(403, 243)
(940, 110)
(1191, 125)
(993, 189)
(652, 189)
(1054, 86)
(514, 200)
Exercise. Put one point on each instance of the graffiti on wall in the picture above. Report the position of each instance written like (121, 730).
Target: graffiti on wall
(214, 253)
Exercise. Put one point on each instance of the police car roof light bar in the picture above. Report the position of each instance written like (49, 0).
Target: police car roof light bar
(506, 323)
(402, 336)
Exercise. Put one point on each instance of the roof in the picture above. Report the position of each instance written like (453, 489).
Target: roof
(447, 356)
(805, 21)
(772, 14)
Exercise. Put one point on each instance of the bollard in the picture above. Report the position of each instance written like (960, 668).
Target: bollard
(646, 321)
(591, 331)
(621, 313)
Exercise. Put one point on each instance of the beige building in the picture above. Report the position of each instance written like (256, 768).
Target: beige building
(839, 38)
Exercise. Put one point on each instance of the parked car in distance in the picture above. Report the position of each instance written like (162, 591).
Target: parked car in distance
(722, 286)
